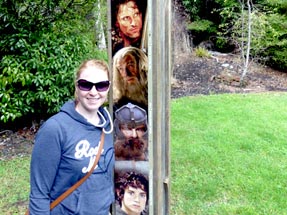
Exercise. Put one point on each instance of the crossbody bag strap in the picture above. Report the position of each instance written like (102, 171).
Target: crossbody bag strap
(81, 181)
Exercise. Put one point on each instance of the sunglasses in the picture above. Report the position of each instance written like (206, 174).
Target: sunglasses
(85, 85)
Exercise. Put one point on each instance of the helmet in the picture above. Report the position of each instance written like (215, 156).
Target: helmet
(129, 115)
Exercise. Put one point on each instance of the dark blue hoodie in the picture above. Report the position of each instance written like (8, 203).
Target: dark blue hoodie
(65, 148)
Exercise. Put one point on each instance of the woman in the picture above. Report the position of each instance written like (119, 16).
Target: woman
(66, 147)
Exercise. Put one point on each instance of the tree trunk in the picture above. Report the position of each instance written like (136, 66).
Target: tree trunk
(246, 61)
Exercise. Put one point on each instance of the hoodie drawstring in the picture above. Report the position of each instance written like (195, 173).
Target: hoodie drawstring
(111, 123)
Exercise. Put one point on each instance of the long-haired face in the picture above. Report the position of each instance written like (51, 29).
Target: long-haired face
(130, 74)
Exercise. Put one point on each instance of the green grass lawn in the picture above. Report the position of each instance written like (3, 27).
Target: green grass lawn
(14, 186)
(228, 156)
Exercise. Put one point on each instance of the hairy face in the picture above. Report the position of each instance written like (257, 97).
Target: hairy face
(128, 69)
(129, 78)
(130, 75)
(131, 148)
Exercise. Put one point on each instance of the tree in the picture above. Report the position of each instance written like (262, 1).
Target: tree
(245, 56)
(268, 38)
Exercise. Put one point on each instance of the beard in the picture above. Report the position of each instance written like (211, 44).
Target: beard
(135, 92)
(131, 149)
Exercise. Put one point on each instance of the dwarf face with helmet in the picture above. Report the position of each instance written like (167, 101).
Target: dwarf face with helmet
(131, 133)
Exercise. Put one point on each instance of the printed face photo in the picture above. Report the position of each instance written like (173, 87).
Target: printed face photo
(133, 131)
(134, 200)
(128, 69)
(131, 138)
(131, 193)
(133, 145)
(129, 20)
(128, 24)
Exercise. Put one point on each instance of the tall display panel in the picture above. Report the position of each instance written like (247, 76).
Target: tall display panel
(139, 107)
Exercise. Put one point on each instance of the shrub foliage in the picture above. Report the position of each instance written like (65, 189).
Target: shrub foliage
(41, 45)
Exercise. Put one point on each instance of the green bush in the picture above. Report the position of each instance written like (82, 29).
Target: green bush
(202, 52)
(41, 79)
(274, 42)
(202, 26)
(201, 30)
(193, 8)
(276, 58)
(41, 45)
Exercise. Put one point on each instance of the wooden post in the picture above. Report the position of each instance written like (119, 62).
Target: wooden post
(160, 66)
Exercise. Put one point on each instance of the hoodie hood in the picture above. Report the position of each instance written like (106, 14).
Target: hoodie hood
(105, 118)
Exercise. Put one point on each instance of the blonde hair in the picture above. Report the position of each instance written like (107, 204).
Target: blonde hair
(100, 64)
